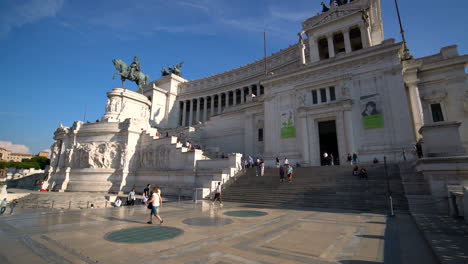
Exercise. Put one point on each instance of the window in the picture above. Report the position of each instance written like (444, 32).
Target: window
(332, 93)
(437, 115)
(355, 39)
(323, 48)
(260, 135)
(314, 97)
(323, 95)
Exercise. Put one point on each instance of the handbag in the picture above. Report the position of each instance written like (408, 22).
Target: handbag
(150, 206)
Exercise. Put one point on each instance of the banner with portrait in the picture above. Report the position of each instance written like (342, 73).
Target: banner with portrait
(371, 112)
(288, 130)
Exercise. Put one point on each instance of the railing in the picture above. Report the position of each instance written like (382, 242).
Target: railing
(65, 205)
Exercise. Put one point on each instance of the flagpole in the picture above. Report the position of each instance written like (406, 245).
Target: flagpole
(264, 52)
(406, 53)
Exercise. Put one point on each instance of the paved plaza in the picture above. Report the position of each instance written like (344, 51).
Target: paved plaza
(207, 233)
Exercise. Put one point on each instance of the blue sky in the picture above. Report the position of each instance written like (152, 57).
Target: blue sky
(55, 55)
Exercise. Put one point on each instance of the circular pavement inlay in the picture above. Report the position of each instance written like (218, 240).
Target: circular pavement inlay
(245, 213)
(207, 221)
(143, 234)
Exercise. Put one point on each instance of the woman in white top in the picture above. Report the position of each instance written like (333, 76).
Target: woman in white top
(156, 202)
(131, 198)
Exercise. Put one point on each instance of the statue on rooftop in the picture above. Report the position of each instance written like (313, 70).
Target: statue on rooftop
(132, 72)
(341, 2)
(175, 69)
(324, 7)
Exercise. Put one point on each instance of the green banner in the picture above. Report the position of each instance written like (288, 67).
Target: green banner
(373, 121)
(288, 130)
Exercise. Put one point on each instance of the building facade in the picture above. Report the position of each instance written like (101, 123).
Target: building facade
(341, 89)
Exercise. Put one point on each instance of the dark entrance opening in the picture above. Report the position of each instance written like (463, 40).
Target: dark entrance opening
(328, 143)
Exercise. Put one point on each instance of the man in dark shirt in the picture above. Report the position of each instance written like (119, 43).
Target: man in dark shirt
(146, 191)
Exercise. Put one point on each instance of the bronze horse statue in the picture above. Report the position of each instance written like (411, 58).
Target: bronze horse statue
(125, 74)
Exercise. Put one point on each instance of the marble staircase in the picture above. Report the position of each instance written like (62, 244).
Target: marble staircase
(66, 200)
(321, 187)
(181, 170)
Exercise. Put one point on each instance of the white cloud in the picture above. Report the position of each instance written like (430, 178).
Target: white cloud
(14, 148)
(18, 13)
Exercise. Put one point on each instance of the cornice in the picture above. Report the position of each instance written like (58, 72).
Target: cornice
(326, 66)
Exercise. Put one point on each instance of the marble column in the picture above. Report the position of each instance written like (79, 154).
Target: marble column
(416, 108)
(205, 108)
(364, 35)
(212, 106)
(234, 99)
(227, 100)
(249, 95)
(347, 41)
(242, 96)
(197, 117)
(314, 50)
(191, 112)
(348, 123)
(258, 90)
(331, 47)
(219, 103)
(184, 113)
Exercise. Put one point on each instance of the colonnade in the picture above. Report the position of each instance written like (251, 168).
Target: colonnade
(314, 42)
(200, 109)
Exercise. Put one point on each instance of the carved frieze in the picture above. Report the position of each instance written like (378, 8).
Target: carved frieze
(92, 155)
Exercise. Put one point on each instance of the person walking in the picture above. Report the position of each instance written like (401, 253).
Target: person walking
(363, 174)
(4, 205)
(354, 158)
(325, 158)
(281, 173)
(154, 203)
(131, 197)
(218, 193)
(262, 167)
(289, 171)
(146, 191)
(13, 205)
(277, 162)
(286, 162)
(350, 159)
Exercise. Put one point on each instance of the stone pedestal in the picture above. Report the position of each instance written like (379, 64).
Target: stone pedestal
(123, 104)
(465, 202)
(442, 139)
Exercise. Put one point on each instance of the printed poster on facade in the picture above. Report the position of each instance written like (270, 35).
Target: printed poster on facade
(371, 112)
(287, 124)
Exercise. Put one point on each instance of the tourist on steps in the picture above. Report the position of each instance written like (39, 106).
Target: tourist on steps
(354, 158)
(281, 173)
(154, 203)
(350, 159)
(356, 171)
(217, 193)
(277, 162)
(363, 174)
(289, 171)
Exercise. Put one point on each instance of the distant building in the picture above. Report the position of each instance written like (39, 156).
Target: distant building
(6, 155)
(43, 154)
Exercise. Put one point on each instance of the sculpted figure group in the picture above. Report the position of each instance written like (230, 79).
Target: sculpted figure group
(333, 3)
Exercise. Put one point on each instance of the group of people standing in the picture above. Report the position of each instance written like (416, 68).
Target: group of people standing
(257, 163)
(4, 204)
(285, 168)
